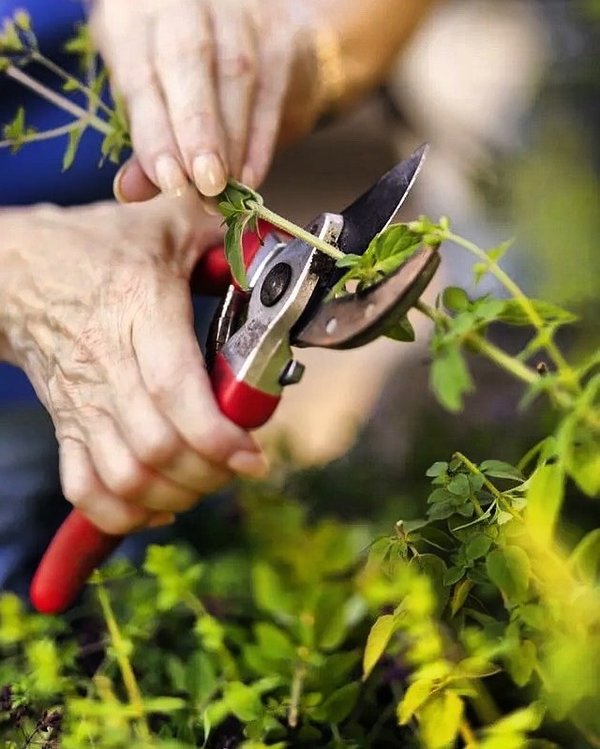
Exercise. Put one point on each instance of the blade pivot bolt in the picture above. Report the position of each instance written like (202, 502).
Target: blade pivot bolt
(275, 284)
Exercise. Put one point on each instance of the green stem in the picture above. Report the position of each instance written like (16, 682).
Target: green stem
(58, 100)
(498, 496)
(46, 135)
(498, 356)
(519, 296)
(61, 73)
(131, 686)
(296, 694)
(296, 231)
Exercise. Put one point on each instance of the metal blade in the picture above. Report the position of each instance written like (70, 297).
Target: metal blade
(374, 210)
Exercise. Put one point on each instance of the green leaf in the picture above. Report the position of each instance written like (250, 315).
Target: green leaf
(521, 659)
(514, 314)
(459, 596)
(453, 575)
(17, 130)
(455, 299)
(500, 470)
(477, 546)
(544, 499)
(72, 146)
(164, 704)
(414, 698)
(271, 593)
(377, 641)
(338, 706)
(585, 557)
(521, 721)
(510, 569)
(435, 569)
(440, 720)
(450, 379)
(243, 701)
(460, 486)
(401, 331)
(439, 468)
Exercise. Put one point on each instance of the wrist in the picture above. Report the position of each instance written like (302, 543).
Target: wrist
(15, 232)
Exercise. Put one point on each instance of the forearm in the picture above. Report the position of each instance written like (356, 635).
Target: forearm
(354, 45)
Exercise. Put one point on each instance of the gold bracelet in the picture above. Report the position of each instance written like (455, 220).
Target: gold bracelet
(331, 85)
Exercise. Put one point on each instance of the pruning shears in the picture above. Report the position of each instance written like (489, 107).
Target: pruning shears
(249, 350)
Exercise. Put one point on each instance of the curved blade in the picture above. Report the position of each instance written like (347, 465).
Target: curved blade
(356, 319)
(374, 210)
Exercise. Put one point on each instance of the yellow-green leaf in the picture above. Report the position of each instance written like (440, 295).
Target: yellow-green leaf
(544, 499)
(416, 695)
(377, 641)
(439, 720)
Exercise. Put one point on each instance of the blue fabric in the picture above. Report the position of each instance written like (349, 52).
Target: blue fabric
(34, 174)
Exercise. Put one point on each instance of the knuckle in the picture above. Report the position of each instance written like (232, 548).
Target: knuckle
(128, 483)
(121, 523)
(156, 448)
(241, 65)
(214, 439)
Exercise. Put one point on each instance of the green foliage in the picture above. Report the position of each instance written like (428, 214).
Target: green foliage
(476, 626)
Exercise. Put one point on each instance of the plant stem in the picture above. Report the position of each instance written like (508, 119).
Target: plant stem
(466, 733)
(296, 231)
(499, 497)
(57, 99)
(296, 694)
(45, 135)
(519, 296)
(61, 73)
(131, 686)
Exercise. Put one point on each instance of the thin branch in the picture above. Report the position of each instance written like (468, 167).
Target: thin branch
(57, 99)
(57, 132)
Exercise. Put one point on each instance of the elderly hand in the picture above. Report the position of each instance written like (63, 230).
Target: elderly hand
(204, 83)
(97, 311)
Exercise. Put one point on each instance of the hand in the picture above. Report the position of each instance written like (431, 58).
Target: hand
(205, 84)
(97, 311)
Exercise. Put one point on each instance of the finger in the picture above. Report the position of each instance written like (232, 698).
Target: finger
(273, 79)
(123, 474)
(183, 50)
(154, 441)
(134, 77)
(179, 385)
(237, 58)
(83, 488)
(132, 185)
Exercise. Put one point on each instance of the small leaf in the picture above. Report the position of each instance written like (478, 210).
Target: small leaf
(585, 557)
(514, 314)
(460, 486)
(520, 662)
(73, 144)
(243, 701)
(459, 596)
(500, 470)
(416, 695)
(544, 499)
(377, 641)
(453, 575)
(510, 569)
(440, 720)
(450, 378)
(437, 469)
(455, 299)
(477, 546)
(338, 706)
(401, 331)
(503, 517)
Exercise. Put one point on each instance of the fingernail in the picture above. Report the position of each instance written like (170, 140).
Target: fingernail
(209, 174)
(162, 519)
(169, 175)
(248, 463)
(117, 191)
(248, 176)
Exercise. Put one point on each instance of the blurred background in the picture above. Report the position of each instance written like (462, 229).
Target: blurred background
(507, 95)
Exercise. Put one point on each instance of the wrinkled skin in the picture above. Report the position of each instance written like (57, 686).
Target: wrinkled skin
(204, 83)
(97, 311)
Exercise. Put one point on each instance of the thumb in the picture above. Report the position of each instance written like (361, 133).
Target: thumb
(131, 185)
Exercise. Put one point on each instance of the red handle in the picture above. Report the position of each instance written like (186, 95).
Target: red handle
(79, 547)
